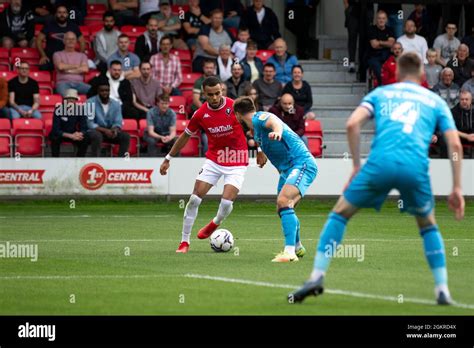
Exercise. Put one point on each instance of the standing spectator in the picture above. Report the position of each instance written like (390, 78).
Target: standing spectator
(411, 42)
(262, 23)
(161, 127)
(209, 68)
(253, 66)
(145, 88)
(42, 11)
(291, 114)
(23, 94)
(239, 48)
(53, 32)
(170, 25)
(148, 8)
(120, 90)
(192, 23)
(148, 43)
(106, 125)
(224, 63)
(69, 127)
(395, 17)
(236, 85)
(468, 85)
(125, 12)
(468, 40)
(4, 98)
(447, 89)
(71, 66)
(390, 66)
(268, 89)
(446, 45)
(105, 42)
(210, 38)
(422, 21)
(17, 26)
(232, 10)
(77, 9)
(301, 92)
(283, 61)
(432, 70)
(298, 17)
(381, 40)
(166, 68)
(461, 65)
(129, 60)
(463, 115)
(251, 92)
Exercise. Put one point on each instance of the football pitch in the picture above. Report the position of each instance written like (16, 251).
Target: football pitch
(118, 257)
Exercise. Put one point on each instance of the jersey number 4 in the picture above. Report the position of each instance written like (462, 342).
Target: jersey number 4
(407, 114)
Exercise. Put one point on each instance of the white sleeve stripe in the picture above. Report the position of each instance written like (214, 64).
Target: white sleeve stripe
(188, 132)
(368, 106)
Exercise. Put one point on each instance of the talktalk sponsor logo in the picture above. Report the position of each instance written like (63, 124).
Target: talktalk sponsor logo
(93, 176)
(220, 129)
(21, 177)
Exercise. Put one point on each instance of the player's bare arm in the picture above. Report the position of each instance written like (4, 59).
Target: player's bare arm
(261, 157)
(276, 127)
(178, 145)
(455, 151)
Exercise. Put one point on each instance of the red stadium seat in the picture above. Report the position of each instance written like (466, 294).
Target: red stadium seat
(233, 31)
(38, 28)
(142, 126)
(188, 80)
(48, 102)
(28, 135)
(44, 80)
(90, 75)
(48, 126)
(93, 19)
(130, 126)
(94, 29)
(314, 133)
(133, 31)
(179, 9)
(4, 67)
(96, 8)
(24, 53)
(186, 68)
(177, 102)
(8, 75)
(85, 31)
(193, 147)
(184, 55)
(265, 54)
(45, 116)
(4, 53)
(6, 143)
(3, 6)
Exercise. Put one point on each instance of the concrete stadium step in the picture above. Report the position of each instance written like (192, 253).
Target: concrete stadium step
(331, 41)
(366, 136)
(329, 77)
(323, 65)
(340, 149)
(339, 88)
(332, 111)
(339, 123)
(337, 99)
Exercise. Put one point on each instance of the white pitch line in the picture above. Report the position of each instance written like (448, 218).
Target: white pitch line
(329, 291)
(74, 277)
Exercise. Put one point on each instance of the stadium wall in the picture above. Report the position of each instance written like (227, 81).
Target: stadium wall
(140, 177)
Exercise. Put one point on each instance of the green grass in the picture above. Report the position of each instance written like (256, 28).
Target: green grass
(89, 242)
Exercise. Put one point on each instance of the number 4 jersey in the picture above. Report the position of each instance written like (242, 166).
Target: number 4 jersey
(406, 116)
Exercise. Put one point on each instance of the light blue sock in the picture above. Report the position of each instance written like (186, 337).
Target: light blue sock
(289, 223)
(435, 254)
(330, 237)
(297, 230)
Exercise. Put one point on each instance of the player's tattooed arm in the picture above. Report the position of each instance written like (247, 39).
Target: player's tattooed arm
(178, 145)
(276, 126)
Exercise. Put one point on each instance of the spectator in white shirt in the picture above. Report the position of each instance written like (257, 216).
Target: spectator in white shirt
(239, 48)
(411, 42)
(224, 63)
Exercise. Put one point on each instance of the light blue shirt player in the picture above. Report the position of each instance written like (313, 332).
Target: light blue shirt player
(290, 155)
(406, 115)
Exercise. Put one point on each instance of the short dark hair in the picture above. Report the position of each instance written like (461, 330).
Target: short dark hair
(122, 36)
(166, 37)
(115, 62)
(56, 8)
(215, 11)
(244, 105)
(297, 66)
(243, 29)
(211, 81)
(269, 65)
(252, 45)
(209, 61)
(163, 97)
(103, 81)
(409, 64)
(144, 62)
(108, 14)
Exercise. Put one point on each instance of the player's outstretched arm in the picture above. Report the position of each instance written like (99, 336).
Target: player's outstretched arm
(276, 127)
(456, 199)
(178, 145)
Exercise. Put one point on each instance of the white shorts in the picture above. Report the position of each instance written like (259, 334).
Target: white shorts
(211, 172)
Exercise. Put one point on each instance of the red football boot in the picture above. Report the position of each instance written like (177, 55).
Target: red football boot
(207, 230)
(183, 248)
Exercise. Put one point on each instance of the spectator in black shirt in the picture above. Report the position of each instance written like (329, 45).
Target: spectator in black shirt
(69, 125)
(232, 9)
(262, 23)
(194, 19)
(54, 32)
(148, 43)
(395, 17)
(77, 9)
(461, 65)
(381, 40)
(463, 115)
(42, 10)
(236, 85)
(301, 91)
(23, 94)
(17, 26)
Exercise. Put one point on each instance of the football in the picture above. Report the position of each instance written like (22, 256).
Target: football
(222, 240)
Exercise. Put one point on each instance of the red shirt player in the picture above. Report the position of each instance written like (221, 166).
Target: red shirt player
(227, 157)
